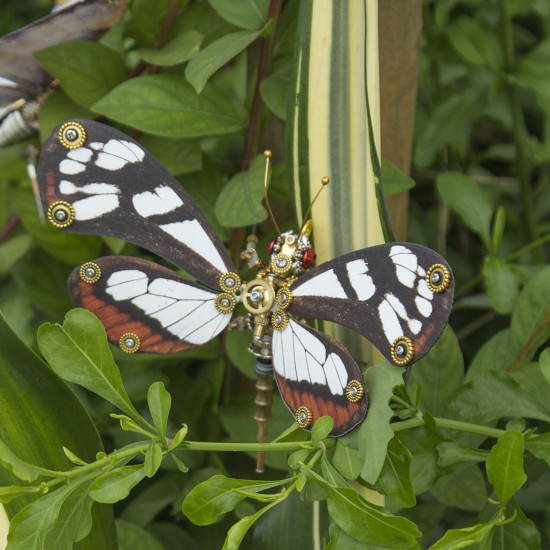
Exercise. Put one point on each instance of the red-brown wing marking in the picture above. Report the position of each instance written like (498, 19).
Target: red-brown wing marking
(381, 292)
(165, 311)
(312, 370)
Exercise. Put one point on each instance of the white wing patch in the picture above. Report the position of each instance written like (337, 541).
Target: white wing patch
(192, 234)
(391, 310)
(359, 280)
(182, 309)
(299, 356)
(81, 154)
(94, 207)
(325, 284)
(69, 188)
(71, 167)
(117, 153)
(161, 201)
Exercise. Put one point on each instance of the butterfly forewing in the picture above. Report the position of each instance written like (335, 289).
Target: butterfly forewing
(116, 188)
(20, 71)
(135, 299)
(383, 293)
(314, 372)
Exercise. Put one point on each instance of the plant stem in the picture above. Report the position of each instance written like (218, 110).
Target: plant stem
(9, 227)
(520, 130)
(449, 424)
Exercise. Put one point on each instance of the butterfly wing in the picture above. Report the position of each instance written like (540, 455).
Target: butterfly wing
(317, 376)
(138, 300)
(20, 71)
(397, 295)
(110, 185)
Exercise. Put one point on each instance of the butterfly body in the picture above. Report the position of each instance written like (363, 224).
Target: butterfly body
(95, 180)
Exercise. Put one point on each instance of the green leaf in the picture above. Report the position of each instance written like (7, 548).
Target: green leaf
(216, 55)
(236, 346)
(34, 406)
(219, 495)
(532, 310)
(502, 284)
(166, 105)
(394, 478)
(147, 19)
(86, 70)
(181, 48)
(116, 484)
(21, 469)
(488, 398)
(321, 429)
(340, 540)
(133, 537)
(178, 156)
(365, 521)
(440, 372)
(240, 202)
(346, 460)
(239, 529)
(394, 180)
(374, 433)
(275, 88)
(247, 14)
(519, 534)
(54, 521)
(451, 453)
(153, 459)
(463, 488)
(12, 250)
(539, 446)
(505, 465)
(159, 401)
(78, 352)
(461, 538)
(468, 200)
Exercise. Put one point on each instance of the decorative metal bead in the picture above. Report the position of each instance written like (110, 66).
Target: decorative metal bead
(284, 298)
(90, 272)
(355, 391)
(279, 319)
(230, 282)
(281, 264)
(72, 135)
(304, 417)
(438, 278)
(225, 302)
(61, 214)
(402, 351)
(129, 342)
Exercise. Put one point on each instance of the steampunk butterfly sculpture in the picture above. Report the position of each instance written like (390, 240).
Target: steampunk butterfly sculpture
(24, 84)
(96, 180)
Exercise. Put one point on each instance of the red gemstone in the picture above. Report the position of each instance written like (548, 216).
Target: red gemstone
(308, 260)
(271, 245)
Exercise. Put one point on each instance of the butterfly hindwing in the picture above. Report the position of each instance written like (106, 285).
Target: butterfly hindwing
(382, 292)
(116, 188)
(162, 311)
(313, 371)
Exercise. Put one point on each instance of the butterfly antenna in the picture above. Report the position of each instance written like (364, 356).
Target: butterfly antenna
(267, 155)
(324, 182)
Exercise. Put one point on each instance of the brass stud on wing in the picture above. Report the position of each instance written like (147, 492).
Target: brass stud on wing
(230, 282)
(61, 214)
(355, 391)
(72, 135)
(304, 417)
(284, 298)
(402, 351)
(225, 302)
(279, 319)
(438, 278)
(281, 264)
(129, 342)
(90, 272)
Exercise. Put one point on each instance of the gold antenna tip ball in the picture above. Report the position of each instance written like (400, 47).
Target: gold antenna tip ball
(267, 154)
(325, 180)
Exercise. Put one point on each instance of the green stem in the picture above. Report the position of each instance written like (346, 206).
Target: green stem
(521, 135)
(450, 425)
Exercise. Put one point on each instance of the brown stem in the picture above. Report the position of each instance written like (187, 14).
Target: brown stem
(529, 344)
(9, 227)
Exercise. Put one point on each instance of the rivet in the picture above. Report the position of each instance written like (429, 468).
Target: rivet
(402, 351)
(129, 342)
(90, 272)
(225, 303)
(61, 214)
(438, 278)
(304, 417)
(355, 391)
(229, 282)
(72, 135)
(279, 319)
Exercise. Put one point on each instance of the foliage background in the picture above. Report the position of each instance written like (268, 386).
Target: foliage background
(481, 198)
